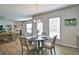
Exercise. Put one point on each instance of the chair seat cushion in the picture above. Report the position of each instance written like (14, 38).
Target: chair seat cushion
(30, 47)
(47, 45)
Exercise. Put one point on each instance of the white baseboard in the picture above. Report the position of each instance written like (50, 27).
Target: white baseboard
(73, 46)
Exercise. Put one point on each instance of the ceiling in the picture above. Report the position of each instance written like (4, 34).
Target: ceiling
(25, 10)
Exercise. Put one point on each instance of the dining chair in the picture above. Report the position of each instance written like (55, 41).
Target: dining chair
(44, 33)
(24, 43)
(50, 46)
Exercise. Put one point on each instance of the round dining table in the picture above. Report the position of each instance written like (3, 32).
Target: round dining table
(39, 39)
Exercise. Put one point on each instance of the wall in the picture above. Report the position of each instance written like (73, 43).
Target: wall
(67, 33)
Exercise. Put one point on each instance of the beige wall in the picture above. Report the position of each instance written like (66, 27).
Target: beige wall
(68, 33)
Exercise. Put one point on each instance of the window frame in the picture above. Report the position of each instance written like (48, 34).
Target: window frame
(42, 26)
(31, 26)
(59, 27)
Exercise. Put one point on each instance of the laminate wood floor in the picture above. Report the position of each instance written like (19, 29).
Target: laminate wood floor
(14, 48)
(62, 50)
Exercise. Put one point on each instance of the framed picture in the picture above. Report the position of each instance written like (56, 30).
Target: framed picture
(70, 22)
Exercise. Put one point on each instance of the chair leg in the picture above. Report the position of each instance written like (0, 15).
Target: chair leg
(22, 52)
(28, 52)
(51, 51)
(54, 51)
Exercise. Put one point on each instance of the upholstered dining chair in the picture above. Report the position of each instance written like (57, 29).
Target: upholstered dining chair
(50, 46)
(44, 33)
(24, 43)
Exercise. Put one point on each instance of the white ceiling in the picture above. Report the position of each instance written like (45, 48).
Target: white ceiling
(25, 10)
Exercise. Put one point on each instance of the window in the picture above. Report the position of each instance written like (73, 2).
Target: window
(40, 28)
(29, 28)
(54, 27)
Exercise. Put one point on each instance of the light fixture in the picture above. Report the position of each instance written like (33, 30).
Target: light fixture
(34, 20)
(38, 20)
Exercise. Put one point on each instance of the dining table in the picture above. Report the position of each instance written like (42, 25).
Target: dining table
(39, 39)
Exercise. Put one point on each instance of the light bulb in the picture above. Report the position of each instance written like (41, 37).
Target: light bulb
(34, 20)
(39, 20)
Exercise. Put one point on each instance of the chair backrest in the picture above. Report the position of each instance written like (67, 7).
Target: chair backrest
(23, 42)
(54, 40)
(43, 33)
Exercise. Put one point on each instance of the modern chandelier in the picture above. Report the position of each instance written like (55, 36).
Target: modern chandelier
(37, 21)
